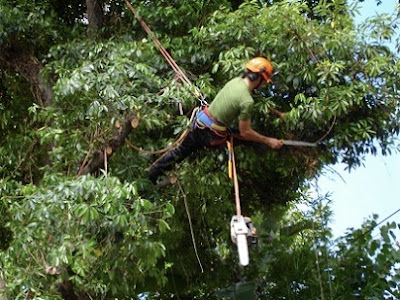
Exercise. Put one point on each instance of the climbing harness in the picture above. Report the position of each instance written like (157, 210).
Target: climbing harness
(242, 229)
(205, 120)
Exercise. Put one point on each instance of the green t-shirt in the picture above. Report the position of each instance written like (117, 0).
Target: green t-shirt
(234, 101)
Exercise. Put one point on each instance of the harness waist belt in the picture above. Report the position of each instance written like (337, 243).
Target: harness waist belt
(203, 118)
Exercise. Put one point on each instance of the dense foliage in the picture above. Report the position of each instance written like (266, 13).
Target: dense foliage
(80, 220)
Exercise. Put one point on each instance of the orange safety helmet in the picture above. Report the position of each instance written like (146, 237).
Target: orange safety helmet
(262, 66)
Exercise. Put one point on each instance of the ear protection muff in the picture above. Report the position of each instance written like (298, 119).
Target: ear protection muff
(262, 66)
(253, 76)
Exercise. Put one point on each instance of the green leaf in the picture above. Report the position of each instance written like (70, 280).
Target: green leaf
(170, 209)
(163, 226)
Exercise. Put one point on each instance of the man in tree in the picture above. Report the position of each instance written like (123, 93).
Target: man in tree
(210, 129)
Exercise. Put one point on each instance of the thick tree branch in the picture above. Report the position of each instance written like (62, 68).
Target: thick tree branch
(116, 141)
(30, 68)
(66, 289)
(24, 63)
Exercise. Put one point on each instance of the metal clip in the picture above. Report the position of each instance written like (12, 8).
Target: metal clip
(203, 101)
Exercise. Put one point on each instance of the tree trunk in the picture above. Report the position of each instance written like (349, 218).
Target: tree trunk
(94, 10)
(66, 289)
(29, 67)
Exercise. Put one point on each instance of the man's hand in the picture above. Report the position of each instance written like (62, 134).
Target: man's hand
(247, 133)
(274, 143)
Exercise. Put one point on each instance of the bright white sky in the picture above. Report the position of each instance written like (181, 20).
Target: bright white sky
(373, 189)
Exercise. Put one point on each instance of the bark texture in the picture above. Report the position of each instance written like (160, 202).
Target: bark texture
(30, 68)
(116, 141)
(2, 289)
(95, 16)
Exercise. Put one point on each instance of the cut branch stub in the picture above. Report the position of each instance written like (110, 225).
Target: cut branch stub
(109, 150)
(135, 122)
(116, 141)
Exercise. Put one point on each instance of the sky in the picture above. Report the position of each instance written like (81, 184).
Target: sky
(372, 189)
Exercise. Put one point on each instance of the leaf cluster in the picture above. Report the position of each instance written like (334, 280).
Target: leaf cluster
(113, 235)
(97, 232)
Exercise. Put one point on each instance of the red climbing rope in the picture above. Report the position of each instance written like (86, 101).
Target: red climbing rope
(164, 52)
(233, 175)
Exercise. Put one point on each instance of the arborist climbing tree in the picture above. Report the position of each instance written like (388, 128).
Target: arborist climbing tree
(211, 124)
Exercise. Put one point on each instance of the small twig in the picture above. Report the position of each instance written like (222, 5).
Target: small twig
(328, 132)
(337, 173)
(85, 160)
(147, 151)
(190, 224)
(173, 281)
(34, 258)
(312, 55)
(28, 152)
(317, 263)
(105, 161)
(16, 197)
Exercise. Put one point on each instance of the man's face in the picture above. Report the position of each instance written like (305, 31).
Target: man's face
(262, 82)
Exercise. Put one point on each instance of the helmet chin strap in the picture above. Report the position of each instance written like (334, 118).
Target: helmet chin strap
(255, 90)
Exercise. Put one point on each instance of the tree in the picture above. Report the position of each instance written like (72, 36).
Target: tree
(79, 218)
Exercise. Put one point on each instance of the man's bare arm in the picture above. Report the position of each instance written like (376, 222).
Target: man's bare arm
(248, 134)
